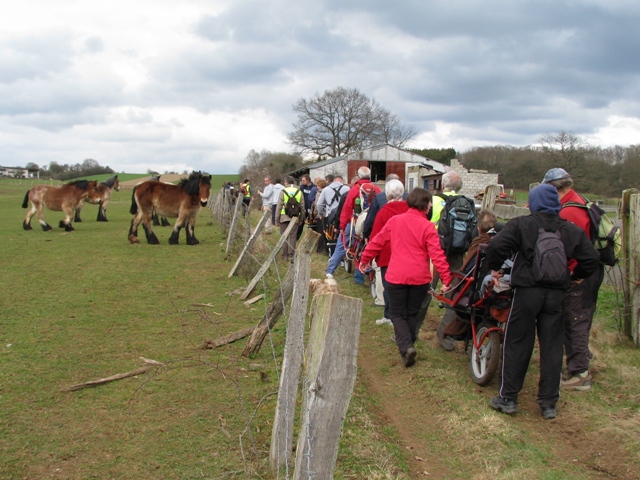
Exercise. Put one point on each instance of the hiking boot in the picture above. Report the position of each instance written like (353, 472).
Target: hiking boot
(548, 412)
(504, 405)
(410, 357)
(580, 382)
(446, 343)
(383, 321)
(329, 275)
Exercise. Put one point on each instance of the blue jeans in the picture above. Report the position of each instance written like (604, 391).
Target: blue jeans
(339, 254)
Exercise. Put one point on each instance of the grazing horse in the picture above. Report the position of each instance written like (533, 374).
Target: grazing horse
(66, 198)
(105, 188)
(182, 201)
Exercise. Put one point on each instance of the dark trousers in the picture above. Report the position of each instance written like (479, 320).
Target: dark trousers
(404, 304)
(578, 309)
(245, 205)
(455, 263)
(273, 214)
(533, 309)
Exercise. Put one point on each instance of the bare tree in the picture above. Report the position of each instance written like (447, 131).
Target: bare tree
(344, 120)
(566, 150)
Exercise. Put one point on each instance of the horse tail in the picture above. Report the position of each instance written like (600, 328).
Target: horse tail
(134, 206)
(25, 203)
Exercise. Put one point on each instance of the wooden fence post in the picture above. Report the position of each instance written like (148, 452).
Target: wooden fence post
(308, 241)
(489, 197)
(282, 433)
(628, 243)
(234, 221)
(249, 245)
(328, 383)
(631, 203)
(263, 269)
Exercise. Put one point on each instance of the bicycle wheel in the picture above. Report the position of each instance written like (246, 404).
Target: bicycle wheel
(485, 359)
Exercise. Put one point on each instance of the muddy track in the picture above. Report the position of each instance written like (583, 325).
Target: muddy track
(418, 418)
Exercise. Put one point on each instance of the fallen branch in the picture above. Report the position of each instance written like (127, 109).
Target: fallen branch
(94, 383)
(232, 337)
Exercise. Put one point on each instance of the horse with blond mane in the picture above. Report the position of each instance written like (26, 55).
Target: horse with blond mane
(182, 201)
(66, 198)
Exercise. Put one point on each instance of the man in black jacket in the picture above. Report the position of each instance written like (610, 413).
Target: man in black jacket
(536, 306)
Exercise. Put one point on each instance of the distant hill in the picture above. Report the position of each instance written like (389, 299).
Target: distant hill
(130, 180)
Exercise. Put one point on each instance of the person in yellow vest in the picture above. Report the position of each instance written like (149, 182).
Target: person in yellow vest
(245, 191)
(283, 218)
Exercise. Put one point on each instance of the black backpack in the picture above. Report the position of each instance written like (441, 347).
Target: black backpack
(549, 266)
(292, 207)
(605, 236)
(334, 217)
(458, 223)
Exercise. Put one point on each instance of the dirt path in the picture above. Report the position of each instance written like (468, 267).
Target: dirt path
(420, 417)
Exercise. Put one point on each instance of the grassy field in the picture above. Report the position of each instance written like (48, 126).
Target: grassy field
(85, 305)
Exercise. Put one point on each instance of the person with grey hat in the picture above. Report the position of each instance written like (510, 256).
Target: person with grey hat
(580, 305)
(537, 304)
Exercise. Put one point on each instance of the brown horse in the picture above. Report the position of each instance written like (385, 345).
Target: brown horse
(182, 201)
(59, 199)
(104, 188)
(157, 222)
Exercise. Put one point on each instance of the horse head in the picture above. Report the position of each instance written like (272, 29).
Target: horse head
(93, 195)
(115, 183)
(204, 189)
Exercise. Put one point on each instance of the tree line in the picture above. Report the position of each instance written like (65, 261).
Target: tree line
(595, 170)
(55, 171)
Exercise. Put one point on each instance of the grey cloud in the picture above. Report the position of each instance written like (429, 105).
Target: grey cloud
(34, 57)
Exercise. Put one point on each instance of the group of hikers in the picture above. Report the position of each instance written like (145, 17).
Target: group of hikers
(548, 258)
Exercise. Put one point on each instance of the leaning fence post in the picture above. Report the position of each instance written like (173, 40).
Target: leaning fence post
(249, 245)
(283, 238)
(282, 433)
(232, 228)
(308, 241)
(328, 383)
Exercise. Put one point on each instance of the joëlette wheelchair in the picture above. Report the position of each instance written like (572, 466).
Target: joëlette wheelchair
(483, 308)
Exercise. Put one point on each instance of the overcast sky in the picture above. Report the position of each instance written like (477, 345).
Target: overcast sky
(197, 84)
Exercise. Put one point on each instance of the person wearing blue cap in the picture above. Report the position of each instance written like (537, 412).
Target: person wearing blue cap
(537, 304)
(580, 304)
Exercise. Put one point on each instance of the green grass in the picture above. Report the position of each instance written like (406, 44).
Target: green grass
(84, 305)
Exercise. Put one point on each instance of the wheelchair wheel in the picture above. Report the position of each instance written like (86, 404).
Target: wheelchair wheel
(372, 284)
(484, 360)
(348, 264)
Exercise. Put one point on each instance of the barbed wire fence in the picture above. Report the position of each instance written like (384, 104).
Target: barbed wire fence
(328, 379)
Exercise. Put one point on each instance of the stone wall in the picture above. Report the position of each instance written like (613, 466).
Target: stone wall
(473, 181)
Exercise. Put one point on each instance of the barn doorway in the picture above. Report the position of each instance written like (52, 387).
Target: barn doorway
(378, 171)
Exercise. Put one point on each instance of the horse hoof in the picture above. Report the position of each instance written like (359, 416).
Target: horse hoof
(69, 228)
(26, 226)
(133, 240)
(46, 227)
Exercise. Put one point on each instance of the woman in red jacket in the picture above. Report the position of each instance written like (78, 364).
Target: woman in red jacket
(394, 191)
(414, 243)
